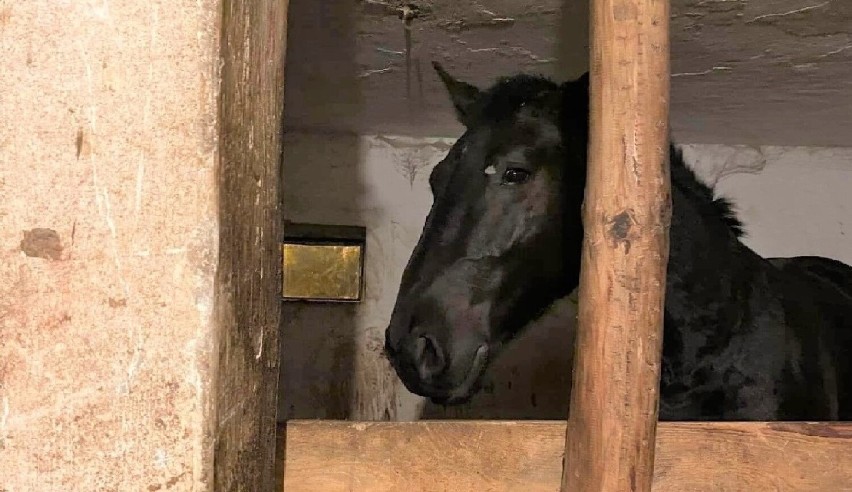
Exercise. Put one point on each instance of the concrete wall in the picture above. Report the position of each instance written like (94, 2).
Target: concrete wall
(108, 243)
(793, 201)
(139, 262)
(743, 72)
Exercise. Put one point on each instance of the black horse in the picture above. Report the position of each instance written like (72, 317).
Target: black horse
(745, 337)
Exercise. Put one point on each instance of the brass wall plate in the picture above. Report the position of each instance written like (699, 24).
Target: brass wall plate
(323, 263)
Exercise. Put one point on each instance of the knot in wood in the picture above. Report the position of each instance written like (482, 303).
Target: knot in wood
(621, 229)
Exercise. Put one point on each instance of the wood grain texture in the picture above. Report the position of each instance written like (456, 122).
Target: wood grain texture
(626, 216)
(526, 456)
(253, 45)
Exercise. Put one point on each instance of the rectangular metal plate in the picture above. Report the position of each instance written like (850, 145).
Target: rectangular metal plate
(322, 272)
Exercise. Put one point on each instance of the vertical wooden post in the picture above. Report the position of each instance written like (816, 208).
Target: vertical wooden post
(614, 402)
(248, 297)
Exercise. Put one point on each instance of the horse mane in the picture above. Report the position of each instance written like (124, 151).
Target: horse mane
(503, 99)
(719, 206)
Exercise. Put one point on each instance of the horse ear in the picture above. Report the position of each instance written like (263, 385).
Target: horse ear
(575, 95)
(583, 81)
(578, 88)
(462, 94)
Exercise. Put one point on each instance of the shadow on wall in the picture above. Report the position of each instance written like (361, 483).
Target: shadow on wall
(318, 340)
(573, 40)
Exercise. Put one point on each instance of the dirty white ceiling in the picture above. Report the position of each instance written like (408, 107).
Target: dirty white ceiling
(771, 72)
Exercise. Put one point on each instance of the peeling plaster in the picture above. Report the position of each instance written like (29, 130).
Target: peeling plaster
(368, 73)
(764, 17)
(354, 83)
(705, 72)
(462, 25)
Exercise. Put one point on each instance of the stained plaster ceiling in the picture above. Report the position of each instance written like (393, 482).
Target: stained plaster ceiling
(769, 72)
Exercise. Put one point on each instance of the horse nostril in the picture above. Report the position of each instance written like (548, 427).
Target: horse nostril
(429, 357)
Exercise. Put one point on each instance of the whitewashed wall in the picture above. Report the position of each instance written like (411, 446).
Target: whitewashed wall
(794, 201)
(333, 367)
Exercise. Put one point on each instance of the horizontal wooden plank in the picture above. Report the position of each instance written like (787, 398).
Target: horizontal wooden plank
(331, 456)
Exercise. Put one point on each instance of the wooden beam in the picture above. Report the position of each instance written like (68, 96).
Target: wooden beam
(248, 305)
(526, 456)
(627, 211)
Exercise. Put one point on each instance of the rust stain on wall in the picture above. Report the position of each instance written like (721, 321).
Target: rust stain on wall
(79, 142)
(42, 243)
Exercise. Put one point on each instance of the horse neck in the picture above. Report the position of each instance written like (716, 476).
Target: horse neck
(709, 270)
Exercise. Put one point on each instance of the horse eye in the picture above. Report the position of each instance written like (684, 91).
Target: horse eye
(515, 175)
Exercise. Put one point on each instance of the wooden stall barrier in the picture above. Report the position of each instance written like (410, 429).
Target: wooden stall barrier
(481, 456)
(627, 211)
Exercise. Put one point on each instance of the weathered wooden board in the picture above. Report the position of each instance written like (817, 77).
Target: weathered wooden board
(248, 306)
(461, 456)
